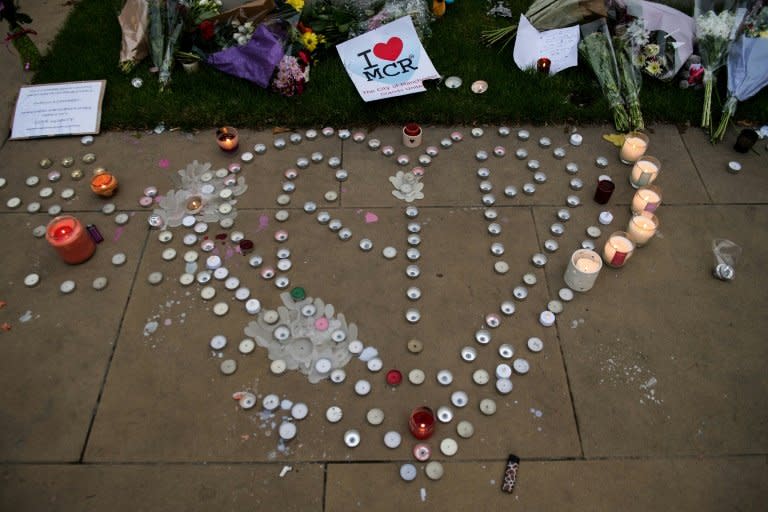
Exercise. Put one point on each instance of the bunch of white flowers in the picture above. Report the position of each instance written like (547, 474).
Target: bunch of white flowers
(243, 32)
(637, 34)
(714, 32)
(719, 26)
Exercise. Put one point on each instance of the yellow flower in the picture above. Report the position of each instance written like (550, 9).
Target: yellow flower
(309, 40)
(653, 68)
(651, 50)
(296, 4)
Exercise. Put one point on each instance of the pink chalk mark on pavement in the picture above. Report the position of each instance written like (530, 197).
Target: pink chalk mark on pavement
(119, 233)
(164, 163)
(371, 217)
(263, 223)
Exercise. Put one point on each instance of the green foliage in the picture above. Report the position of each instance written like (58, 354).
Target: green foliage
(209, 98)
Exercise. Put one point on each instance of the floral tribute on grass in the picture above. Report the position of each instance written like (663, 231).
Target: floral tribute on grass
(271, 43)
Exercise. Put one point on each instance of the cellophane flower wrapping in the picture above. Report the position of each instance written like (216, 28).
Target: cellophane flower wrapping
(631, 80)
(255, 61)
(715, 30)
(596, 48)
(134, 24)
(418, 10)
(661, 38)
(747, 63)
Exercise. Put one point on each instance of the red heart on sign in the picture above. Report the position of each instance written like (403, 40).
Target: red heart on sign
(389, 50)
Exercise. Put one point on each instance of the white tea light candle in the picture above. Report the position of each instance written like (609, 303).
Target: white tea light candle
(635, 145)
(646, 199)
(618, 249)
(642, 227)
(644, 172)
(583, 269)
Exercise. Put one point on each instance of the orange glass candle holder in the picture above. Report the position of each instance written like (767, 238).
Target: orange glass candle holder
(422, 423)
(71, 240)
(227, 138)
(104, 184)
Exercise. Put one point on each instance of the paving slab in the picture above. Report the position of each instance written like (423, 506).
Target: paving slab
(750, 185)
(58, 346)
(161, 385)
(678, 178)
(161, 487)
(684, 484)
(673, 364)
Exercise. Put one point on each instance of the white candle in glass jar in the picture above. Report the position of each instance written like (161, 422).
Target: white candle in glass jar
(618, 249)
(634, 146)
(642, 227)
(583, 269)
(644, 172)
(646, 199)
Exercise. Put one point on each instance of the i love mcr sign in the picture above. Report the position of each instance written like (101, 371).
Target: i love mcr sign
(388, 61)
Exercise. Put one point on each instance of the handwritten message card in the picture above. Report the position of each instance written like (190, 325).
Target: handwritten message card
(72, 108)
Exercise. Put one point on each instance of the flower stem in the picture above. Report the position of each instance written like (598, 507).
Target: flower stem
(706, 116)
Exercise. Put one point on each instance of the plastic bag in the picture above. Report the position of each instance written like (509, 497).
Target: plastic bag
(727, 254)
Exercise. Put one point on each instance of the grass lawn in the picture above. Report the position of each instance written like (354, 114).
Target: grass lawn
(88, 48)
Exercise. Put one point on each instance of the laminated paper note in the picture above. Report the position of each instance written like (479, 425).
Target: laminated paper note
(70, 108)
(560, 46)
(388, 61)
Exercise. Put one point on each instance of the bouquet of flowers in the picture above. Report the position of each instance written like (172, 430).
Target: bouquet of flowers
(653, 52)
(166, 21)
(630, 83)
(747, 64)
(201, 10)
(714, 32)
(30, 55)
(335, 18)
(418, 10)
(661, 38)
(547, 15)
(596, 48)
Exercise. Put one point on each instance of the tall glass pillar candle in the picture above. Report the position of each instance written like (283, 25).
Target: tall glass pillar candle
(422, 423)
(71, 240)
(635, 145)
(583, 269)
(642, 227)
(618, 249)
(646, 199)
(644, 172)
(227, 138)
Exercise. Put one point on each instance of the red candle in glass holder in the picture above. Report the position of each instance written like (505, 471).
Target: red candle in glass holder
(422, 423)
(227, 138)
(71, 240)
(604, 191)
(543, 65)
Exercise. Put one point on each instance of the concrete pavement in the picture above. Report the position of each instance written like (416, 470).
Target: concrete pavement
(649, 391)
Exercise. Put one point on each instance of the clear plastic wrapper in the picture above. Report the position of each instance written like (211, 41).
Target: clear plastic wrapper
(747, 57)
(418, 10)
(727, 254)
(134, 23)
(716, 24)
(596, 48)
